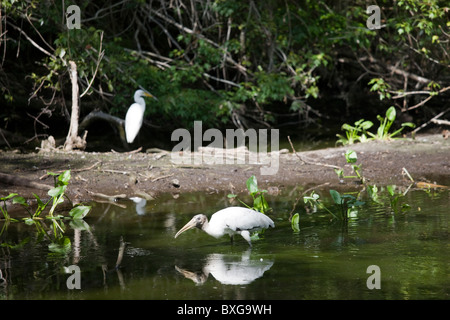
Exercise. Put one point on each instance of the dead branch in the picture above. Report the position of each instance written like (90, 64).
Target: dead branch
(427, 99)
(112, 198)
(99, 59)
(441, 122)
(75, 170)
(308, 161)
(184, 29)
(409, 75)
(430, 121)
(73, 141)
(19, 181)
(31, 40)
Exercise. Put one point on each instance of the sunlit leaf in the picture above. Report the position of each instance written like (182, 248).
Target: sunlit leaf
(252, 185)
(79, 212)
(390, 114)
(391, 189)
(8, 196)
(54, 192)
(351, 156)
(20, 200)
(295, 222)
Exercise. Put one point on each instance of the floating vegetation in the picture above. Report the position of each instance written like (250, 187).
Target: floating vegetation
(58, 242)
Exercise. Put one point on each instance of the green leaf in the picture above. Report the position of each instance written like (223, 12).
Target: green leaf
(252, 185)
(57, 191)
(391, 189)
(260, 204)
(64, 177)
(79, 212)
(408, 124)
(20, 200)
(8, 196)
(351, 156)
(339, 172)
(347, 127)
(41, 205)
(29, 221)
(357, 203)
(255, 236)
(336, 197)
(366, 125)
(295, 222)
(390, 114)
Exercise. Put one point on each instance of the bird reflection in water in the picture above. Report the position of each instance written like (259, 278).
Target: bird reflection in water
(229, 269)
(140, 205)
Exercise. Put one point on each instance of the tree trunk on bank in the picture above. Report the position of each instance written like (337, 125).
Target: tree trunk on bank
(73, 141)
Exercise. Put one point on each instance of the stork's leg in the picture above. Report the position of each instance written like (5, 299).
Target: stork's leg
(246, 235)
(231, 238)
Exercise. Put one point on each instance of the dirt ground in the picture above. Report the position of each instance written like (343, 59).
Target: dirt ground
(117, 175)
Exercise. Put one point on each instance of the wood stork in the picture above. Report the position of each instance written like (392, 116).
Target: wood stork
(231, 221)
(135, 115)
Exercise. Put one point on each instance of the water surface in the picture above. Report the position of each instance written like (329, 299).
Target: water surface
(326, 259)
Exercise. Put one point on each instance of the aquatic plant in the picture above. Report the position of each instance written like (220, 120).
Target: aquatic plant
(313, 200)
(351, 157)
(385, 125)
(259, 202)
(345, 202)
(359, 132)
(57, 195)
(394, 199)
(59, 244)
(295, 222)
(354, 133)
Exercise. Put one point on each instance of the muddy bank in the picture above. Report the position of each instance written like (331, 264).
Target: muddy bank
(427, 158)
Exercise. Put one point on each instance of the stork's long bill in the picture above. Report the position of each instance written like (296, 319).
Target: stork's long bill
(191, 224)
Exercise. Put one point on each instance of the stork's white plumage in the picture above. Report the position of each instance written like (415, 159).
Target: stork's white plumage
(231, 221)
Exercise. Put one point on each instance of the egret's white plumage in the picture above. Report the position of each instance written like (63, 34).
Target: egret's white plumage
(135, 115)
(231, 221)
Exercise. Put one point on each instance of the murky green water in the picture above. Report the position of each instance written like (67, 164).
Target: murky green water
(325, 260)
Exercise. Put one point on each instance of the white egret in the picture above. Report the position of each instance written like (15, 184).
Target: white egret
(135, 115)
(231, 221)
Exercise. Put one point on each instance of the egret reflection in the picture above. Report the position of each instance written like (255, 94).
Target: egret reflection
(229, 269)
(140, 205)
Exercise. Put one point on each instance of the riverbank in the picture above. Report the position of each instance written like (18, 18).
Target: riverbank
(146, 174)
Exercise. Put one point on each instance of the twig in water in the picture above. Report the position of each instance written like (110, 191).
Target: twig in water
(120, 254)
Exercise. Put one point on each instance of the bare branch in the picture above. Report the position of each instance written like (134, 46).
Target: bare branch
(32, 41)
(100, 57)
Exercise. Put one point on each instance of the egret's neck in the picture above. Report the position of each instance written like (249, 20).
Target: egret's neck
(139, 100)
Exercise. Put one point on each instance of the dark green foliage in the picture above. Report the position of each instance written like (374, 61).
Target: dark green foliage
(214, 60)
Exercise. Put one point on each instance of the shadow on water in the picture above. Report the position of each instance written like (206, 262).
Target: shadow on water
(326, 259)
